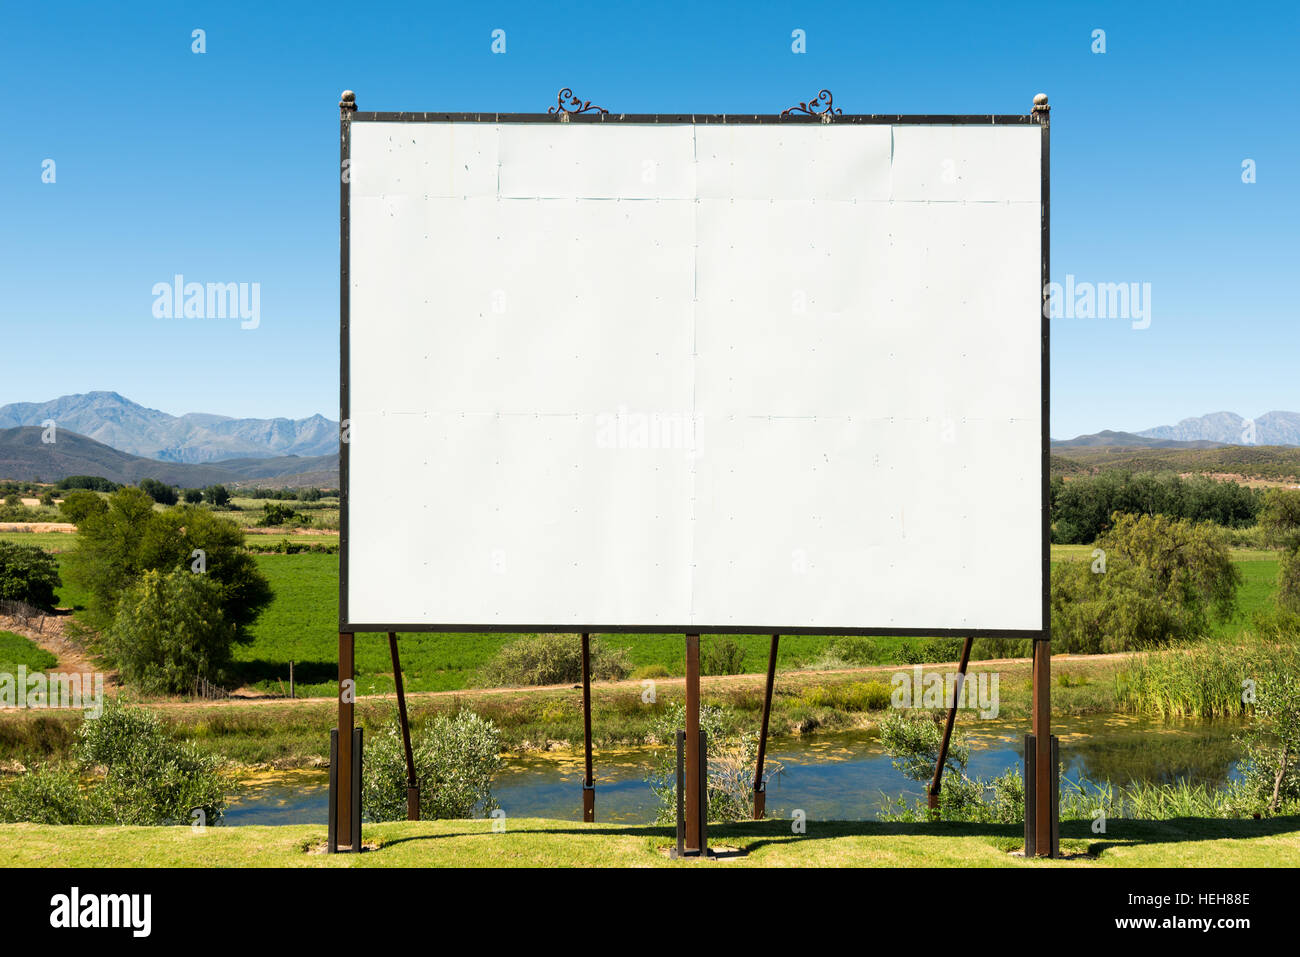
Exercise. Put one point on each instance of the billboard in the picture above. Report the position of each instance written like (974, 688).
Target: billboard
(694, 374)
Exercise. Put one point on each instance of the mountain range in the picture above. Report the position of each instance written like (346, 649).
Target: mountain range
(1203, 432)
(193, 438)
(104, 433)
(1229, 428)
(25, 457)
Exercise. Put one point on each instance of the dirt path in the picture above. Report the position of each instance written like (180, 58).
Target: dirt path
(50, 633)
(714, 682)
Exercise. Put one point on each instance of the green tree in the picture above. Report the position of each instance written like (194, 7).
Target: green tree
(118, 545)
(217, 495)
(1280, 520)
(1154, 581)
(172, 539)
(168, 629)
(28, 574)
(193, 496)
(159, 492)
(78, 505)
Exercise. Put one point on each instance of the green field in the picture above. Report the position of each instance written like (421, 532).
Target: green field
(547, 843)
(50, 541)
(16, 650)
(301, 625)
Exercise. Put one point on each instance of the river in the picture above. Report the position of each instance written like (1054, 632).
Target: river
(836, 776)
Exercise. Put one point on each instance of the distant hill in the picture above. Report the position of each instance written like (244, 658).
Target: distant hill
(25, 457)
(1109, 439)
(1277, 463)
(194, 438)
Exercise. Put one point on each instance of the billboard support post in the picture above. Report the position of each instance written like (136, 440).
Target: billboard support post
(694, 761)
(937, 782)
(342, 778)
(412, 785)
(588, 784)
(1045, 766)
(760, 793)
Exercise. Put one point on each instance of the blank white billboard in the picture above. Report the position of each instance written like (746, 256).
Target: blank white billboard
(694, 377)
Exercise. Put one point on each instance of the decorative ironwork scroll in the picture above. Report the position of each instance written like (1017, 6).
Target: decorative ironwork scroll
(566, 102)
(820, 105)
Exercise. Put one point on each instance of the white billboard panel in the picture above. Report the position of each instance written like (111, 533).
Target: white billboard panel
(693, 376)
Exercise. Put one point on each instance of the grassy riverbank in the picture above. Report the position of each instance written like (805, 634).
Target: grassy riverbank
(296, 733)
(545, 843)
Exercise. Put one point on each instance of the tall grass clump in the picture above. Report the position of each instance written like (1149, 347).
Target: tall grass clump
(1210, 680)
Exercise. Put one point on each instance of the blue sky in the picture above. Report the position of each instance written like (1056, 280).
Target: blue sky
(221, 166)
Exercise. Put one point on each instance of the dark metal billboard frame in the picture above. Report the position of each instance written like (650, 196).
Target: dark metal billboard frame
(818, 110)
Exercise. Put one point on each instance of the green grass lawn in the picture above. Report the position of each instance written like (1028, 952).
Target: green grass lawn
(16, 650)
(545, 843)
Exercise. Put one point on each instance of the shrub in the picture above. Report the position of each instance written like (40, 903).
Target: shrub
(858, 650)
(732, 762)
(193, 496)
(126, 770)
(1271, 776)
(28, 574)
(929, 650)
(552, 660)
(274, 515)
(650, 671)
(48, 795)
(169, 630)
(455, 757)
(912, 740)
(722, 655)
